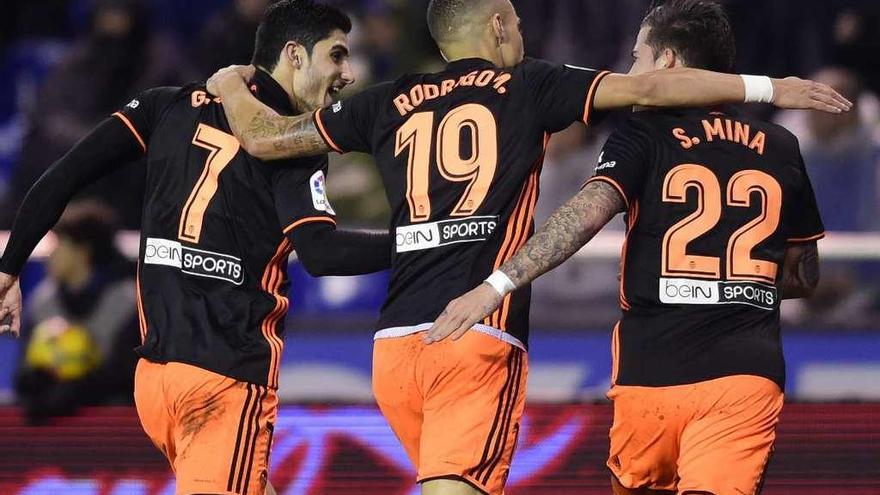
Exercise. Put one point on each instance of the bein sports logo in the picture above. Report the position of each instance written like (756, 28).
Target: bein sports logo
(443, 233)
(688, 291)
(305, 443)
(192, 261)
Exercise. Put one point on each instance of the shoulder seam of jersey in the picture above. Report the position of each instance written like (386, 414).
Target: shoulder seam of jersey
(131, 127)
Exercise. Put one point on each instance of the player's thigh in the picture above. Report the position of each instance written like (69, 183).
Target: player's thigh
(396, 390)
(153, 408)
(223, 432)
(449, 487)
(726, 450)
(644, 436)
(474, 398)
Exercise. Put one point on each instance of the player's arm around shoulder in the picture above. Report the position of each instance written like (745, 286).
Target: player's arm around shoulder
(567, 230)
(263, 133)
(686, 87)
(800, 270)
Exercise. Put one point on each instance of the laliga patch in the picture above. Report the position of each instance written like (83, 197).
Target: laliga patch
(318, 186)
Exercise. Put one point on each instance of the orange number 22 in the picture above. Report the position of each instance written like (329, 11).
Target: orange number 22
(740, 264)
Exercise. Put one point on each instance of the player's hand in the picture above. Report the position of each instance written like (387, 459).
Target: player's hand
(463, 313)
(234, 74)
(793, 92)
(10, 305)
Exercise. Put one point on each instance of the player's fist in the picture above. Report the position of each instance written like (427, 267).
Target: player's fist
(234, 74)
(793, 92)
(463, 313)
(10, 305)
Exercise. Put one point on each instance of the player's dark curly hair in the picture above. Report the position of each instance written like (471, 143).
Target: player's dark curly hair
(304, 21)
(696, 30)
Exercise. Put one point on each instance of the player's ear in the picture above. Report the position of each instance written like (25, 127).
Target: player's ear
(294, 54)
(668, 59)
(497, 25)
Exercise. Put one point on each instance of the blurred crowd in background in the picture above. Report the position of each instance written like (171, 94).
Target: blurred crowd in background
(67, 64)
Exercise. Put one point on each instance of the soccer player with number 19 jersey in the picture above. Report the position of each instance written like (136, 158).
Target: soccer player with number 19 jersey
(460, 152)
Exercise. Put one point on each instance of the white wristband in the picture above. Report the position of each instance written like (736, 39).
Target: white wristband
(759, 89)
(500, 282)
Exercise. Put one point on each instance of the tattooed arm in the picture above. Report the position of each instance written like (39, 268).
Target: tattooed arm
(800, 271)
(570, 227)
(262, 132)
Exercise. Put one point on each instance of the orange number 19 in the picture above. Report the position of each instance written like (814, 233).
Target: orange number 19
(477, 169)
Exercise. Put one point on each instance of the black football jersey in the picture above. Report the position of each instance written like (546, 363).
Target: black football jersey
(212, 278)
(460, 152)
(713, 200)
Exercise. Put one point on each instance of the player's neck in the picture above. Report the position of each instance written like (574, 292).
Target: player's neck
(460, 52)
(282, 75)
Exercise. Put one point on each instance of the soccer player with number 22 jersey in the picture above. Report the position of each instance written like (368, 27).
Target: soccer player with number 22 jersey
(722, 223)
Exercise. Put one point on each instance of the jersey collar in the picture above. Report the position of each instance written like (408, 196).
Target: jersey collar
(469, 63)
(267, 90)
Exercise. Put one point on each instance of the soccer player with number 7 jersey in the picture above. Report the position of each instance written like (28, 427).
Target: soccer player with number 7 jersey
(460, 153)
(722, 224)
(217, 230)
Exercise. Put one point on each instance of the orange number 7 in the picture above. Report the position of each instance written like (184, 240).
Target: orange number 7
(222, 148)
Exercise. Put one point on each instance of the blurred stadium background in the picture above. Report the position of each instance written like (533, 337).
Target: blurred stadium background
(66, 423)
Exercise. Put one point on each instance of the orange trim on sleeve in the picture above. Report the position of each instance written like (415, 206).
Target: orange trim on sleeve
(308, 220)
(323, 132)
(808, 239)
(591, 93)
(134, 131)
(613, 183)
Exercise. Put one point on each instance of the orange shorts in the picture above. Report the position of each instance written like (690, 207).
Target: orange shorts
(454, 405)
(215, 431)
(714, 436)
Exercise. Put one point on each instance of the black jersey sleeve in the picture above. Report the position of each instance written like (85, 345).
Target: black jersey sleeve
(802, 217)
(106, 148)
(142, 113)
(309, 222)
(347, 125)
(299, 189)
(625, 159)
(563, 94)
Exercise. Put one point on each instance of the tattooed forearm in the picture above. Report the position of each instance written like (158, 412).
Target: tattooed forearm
(264, 133)
(570, 227)
(800, 271)
(273, 136)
